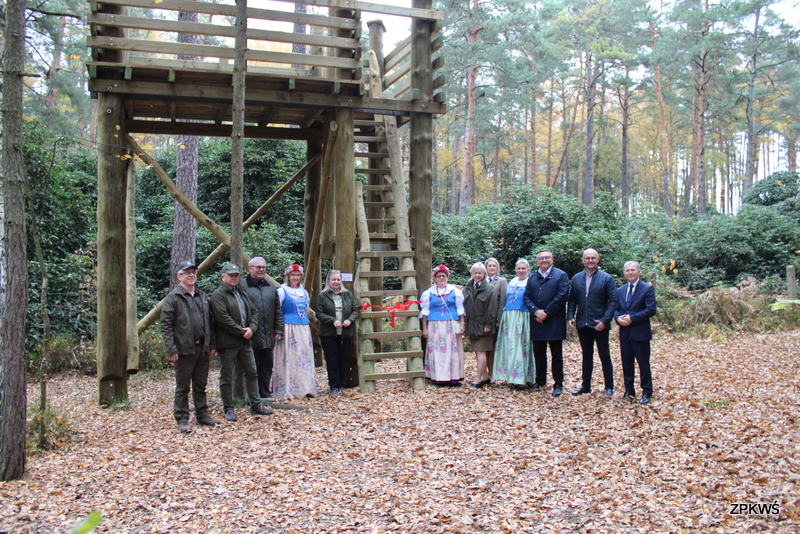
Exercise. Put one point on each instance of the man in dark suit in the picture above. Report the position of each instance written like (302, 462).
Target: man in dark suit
(636, 303)
(592, 302)
(546, 297)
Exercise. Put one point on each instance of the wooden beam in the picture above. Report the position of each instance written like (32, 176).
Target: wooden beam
(217, 130)
(197, 28)
(222, 112)
(228, 10)
(266, 97)
(266, 117)
(185, 49)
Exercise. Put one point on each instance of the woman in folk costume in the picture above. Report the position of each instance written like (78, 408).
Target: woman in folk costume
(513, 361)
(442, 317)
(293, 374)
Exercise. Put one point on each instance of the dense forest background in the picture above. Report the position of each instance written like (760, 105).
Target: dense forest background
(664, 134)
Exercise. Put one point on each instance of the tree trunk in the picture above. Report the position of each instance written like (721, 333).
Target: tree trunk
(55, 66)
(184, 225)
(467, 171)
(455, 178)
(624, 102)
(13, 393)
(663, 134)
(532, 140)
(591, 89)
(550, 112)
(751, 156)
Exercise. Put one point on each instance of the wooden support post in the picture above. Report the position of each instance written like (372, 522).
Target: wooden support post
(365, 326)
(132, 336)
(310, 200)
(345, 199)
(420, 179)
(319, 219)
(112, 309)
(791, 282)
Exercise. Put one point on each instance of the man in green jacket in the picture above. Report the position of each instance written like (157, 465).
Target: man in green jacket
(235, 319)
(189, 338)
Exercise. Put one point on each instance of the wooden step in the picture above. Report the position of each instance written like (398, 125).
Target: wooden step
(392, 355)
(380, 221)
(382, 237)
(378, 204)
(372, 123)
(376, 274)
(368, 139)
(373, 171)
(385, 253)
(397, 334)
(377, 187)
(388, 376)
(372, 154)
(390, 293)
(386, 314)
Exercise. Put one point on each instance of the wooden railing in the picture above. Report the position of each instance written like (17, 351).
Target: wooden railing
(151, 29)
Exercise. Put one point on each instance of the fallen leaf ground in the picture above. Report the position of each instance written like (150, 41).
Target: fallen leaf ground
(722, 429)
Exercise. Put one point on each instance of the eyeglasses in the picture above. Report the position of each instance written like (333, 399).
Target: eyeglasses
(260, 267)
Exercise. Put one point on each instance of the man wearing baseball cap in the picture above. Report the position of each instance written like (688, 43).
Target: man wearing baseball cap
(190, 341)
(235, 320)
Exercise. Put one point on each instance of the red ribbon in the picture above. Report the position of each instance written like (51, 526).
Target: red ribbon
(391, 309)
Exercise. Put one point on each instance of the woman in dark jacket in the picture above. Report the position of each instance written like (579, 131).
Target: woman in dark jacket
(337, 313)
(480, 305)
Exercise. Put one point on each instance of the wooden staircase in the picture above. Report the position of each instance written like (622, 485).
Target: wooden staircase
(385, 267)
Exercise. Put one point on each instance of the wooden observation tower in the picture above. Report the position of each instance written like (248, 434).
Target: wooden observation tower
(346, 104)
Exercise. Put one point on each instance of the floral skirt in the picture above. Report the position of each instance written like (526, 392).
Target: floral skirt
(293, 370)
(513, 358)
(444, 353)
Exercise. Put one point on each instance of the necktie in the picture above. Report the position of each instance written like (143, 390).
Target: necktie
(630, 293)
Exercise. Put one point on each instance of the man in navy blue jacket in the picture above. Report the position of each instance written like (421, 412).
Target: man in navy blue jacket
(592, 301)
(546, 297)
(636, 303)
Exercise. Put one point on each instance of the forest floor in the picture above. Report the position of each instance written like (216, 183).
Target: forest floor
(722, 433)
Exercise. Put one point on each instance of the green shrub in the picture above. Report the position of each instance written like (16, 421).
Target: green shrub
(67, 354)
(152, 352)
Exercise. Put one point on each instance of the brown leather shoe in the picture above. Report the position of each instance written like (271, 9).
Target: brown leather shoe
(207, 420)
(184, 427)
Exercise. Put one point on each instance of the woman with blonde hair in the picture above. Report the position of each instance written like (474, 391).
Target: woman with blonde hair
(513, 357)
(293, 374)
(500, 283)
(480, 305)
(337, 313)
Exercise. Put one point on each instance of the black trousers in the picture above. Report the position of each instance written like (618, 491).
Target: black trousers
(191, 372)
(588, 338)
(638, 352)
(540, 358)
(337, 350)
(264, 364)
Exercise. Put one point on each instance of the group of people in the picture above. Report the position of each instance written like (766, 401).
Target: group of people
(266, 329)
(510, 324)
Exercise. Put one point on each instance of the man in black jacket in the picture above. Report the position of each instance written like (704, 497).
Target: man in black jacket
(592, 301)
(235, 320)
(189, 337)
(270, 322)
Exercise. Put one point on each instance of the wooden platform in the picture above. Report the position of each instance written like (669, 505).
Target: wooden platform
(287, 93)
